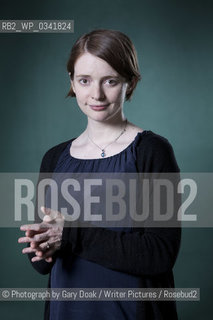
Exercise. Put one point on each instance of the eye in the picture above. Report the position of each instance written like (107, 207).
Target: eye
(84, 81)
(111, 82)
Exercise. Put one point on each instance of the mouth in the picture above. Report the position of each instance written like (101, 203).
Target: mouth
(98, 107)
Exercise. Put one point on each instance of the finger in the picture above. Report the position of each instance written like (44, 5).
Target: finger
(35, 245)
(27, 227)
(32, 233)
(45, 210)
(47, 219)
(50, 259)
(41, 237)
(41, 256)
(29, 233)
(34, 259)
(39, 253)
(25, 240)
(48, 254)
(50, 214)
(35, 227)
(28, 250)
(44, 246)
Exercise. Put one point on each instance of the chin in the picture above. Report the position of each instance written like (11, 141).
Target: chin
(100, 118)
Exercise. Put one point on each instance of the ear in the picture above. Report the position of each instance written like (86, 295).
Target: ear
(129, 87)
(71, 83)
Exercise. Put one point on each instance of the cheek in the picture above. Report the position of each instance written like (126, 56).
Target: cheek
(81, 95)
(117, 94)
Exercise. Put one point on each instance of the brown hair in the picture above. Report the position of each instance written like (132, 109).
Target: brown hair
(112, 46)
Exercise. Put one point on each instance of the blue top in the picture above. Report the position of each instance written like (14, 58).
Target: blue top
(72, 271)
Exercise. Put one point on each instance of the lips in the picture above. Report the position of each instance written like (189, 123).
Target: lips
(98, 107)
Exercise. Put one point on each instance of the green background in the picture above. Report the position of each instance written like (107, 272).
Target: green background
(175, 49)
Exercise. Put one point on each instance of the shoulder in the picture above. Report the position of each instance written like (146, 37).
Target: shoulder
(156, 153)
(153, 142)
(51, 156)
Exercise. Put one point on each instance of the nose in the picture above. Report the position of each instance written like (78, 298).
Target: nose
(97, 92)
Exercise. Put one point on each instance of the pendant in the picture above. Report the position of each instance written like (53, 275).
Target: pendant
(103, 153)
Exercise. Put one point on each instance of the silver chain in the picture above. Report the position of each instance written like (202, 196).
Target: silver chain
(103, 154)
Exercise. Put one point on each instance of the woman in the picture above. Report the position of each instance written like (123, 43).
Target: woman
(104, 72)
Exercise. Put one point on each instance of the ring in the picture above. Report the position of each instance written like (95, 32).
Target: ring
(48, 245)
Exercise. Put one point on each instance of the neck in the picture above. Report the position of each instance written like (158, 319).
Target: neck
(104, 131)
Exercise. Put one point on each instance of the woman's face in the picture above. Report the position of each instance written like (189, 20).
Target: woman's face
(100, 91)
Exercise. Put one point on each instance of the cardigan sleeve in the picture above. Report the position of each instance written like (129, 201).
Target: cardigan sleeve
(147, 251)
(47, 167)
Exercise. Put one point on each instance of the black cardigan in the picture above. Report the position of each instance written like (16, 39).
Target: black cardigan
(149, 253)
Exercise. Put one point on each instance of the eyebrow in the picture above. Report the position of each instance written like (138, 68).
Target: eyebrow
(88, 76)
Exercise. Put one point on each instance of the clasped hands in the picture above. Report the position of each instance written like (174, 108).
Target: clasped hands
(45, 237)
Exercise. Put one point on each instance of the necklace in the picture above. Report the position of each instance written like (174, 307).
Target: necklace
(103, 153)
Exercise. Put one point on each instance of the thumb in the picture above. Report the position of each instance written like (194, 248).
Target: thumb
(49, 214)
(45, 210)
